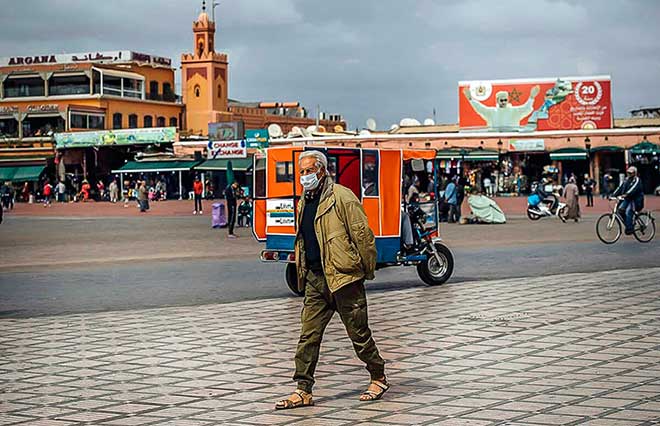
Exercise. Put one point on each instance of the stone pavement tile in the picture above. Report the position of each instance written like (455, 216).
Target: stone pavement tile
(407, 419)
(612, 422)
(320, 422)
(87, 416)
(132, 421)
(634, 415)
(553, 419)
(461, 422)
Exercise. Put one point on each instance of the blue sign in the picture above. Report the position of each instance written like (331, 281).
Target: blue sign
(257, 138)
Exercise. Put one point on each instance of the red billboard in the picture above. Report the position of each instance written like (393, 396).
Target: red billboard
(527, 105)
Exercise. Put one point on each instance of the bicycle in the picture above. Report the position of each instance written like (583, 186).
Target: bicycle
(610, 225)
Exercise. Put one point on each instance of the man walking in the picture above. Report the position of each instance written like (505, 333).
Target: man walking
(588, 187)
(230, 198)
(47, 193)
(198, 189)
(335, 252)
(451, 195)
(60, 190)
(143, 201)
(114, 191)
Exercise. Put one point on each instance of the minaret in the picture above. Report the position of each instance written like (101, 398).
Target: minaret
(204, 78)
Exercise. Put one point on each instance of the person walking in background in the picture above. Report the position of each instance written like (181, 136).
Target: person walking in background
(60, 190)
(114, 191)
(47, 193)
(5, 193)
(450, 197)
(605, 186)
(588, 188)
(25, 193)
(571, 194)
(100, 188)
(460, 196)
(487, 187)
(86, 187)
(230, 198)
(198, 189)
(143, 201)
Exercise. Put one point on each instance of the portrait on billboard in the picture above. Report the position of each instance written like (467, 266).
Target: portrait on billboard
(528, 105)
(503, 116)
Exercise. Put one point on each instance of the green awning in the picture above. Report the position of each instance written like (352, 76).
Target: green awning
(450, 154)
(645, 148)
(237, 164)
(156, 166)
(608, 148)
(482, 155)
(467, 155)
(568, 154)
(21, 173)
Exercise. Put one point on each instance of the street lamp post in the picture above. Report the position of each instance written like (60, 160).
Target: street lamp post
(587, 144)
(499, 166)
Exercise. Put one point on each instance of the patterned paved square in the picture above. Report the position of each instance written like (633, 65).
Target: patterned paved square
(565, 349)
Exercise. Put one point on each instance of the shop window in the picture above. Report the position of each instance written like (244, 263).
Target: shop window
(19, 87)
(116, 120)
(78, 121)
(284, 171)
(148, 121)
(96, 78)
(370, 173)
(173, 122)
(8, 128)
(68, 85)
(132, 121)
(160, 122)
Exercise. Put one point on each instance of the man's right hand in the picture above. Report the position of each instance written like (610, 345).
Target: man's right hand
(466, 92)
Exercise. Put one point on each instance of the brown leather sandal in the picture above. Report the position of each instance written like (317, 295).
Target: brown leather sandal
(298, 398)
(375, 390)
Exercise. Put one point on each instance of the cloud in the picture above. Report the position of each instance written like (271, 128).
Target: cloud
(367, 58)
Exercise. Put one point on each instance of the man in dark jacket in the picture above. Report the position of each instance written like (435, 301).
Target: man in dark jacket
(633, 197)
(230, 198)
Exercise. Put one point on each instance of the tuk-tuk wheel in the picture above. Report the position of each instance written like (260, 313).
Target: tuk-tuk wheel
(291, 276)
(433, 272)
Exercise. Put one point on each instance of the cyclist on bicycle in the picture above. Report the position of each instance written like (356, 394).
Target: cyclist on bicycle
(632, 197)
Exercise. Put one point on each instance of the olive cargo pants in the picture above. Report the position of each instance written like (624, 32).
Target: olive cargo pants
(319, 307)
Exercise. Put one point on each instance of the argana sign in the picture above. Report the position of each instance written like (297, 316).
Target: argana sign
(527, 105)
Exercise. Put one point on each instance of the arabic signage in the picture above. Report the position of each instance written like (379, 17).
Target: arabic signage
(114, 56)
(527, 145)
(226, 149)
(116, 137)
(527, 105)
(280, 213)
(257, 138)
(226, 131)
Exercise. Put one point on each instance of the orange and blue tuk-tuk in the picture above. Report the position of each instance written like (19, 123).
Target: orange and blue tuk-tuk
(376, 176)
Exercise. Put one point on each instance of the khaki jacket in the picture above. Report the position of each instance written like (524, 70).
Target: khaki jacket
(348, 246)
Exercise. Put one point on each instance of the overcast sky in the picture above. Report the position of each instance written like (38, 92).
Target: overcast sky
(367, 58)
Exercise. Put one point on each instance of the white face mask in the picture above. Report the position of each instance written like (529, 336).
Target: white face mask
(310, 182)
